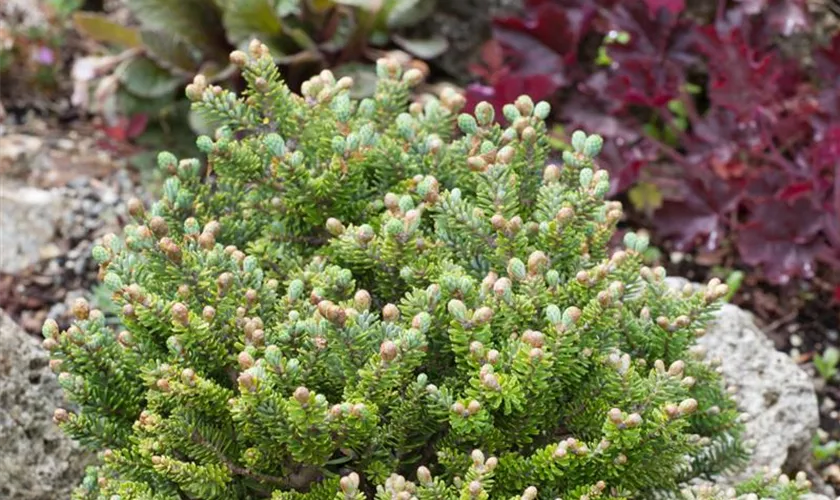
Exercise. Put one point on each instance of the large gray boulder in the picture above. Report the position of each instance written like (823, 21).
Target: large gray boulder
(37, 461)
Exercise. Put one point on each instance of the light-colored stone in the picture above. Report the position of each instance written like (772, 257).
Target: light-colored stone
(18, 153)
(37, 461)
(777, 396)
(814, 496)
(28, 218)
(24, 13)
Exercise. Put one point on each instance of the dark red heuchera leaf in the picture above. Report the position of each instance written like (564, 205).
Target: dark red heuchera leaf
(827, 61)
(698, 213)
(783, 238)
(650, 70)
(756, 156)
(741, 78)
(551, 25)
(672, 6)
(491, 66)
(513, 65)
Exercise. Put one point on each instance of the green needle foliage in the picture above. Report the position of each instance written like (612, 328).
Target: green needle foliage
(384, 299)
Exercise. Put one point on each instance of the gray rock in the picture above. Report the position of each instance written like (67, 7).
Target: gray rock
(28, 218)
(18, 152)
(26, 13)
(37, 461)
(777, 396)
(814, 496)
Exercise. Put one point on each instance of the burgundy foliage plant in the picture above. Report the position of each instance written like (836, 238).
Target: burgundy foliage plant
(740, 140)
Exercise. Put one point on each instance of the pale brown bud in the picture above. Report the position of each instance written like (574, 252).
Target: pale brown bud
(60, 415)
(565, 214)
(392, 202)
(206, 240)
(388, 351)
(125, 339)
(482, 315)
(245, 360)
(424, 475)
(223, 282)
(501, 286)
(474, 407)
(491, 382)
(302, 395)
(498, 222)
(238, 58)
(357, 409)
(362, 300)
(335, 227)
(537, 262)
(80, 309)
(533, 338)
(677, 368)
(258, 337)
(213, 227)
(238, 256)
(188, 376)
(688, 406)
(390, 313)
(180, 313)
(633, 420)
(551, 173)
(159, 226)
(208, 313)
(135, 208)
(489, 280)
(349, 483)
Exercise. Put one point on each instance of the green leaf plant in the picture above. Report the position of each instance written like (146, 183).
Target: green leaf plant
(387, 299)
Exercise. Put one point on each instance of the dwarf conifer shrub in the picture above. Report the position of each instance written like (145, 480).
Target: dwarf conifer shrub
(379, 299)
